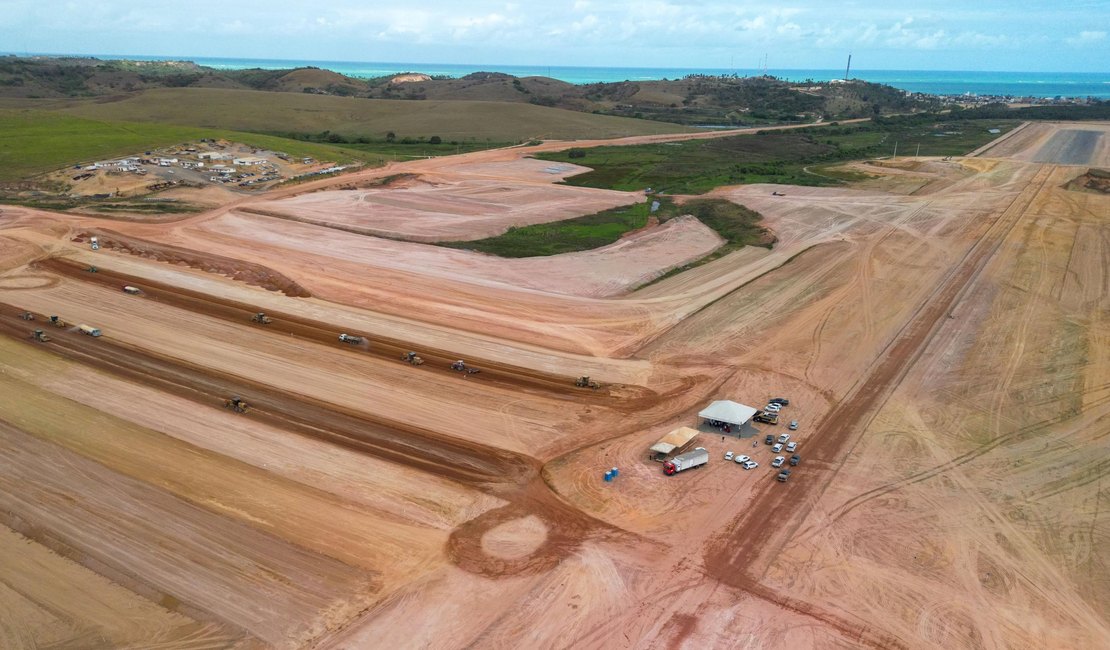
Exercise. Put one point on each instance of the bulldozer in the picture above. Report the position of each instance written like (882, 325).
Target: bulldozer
(353, 340)
(584, 382)
(40, 336)
(236, 404)
(412, 358)
(27, 316)
(57, 322)
(262, 318)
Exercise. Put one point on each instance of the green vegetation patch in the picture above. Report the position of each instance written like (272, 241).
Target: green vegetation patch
(697, 166)
(569, 235)
(738, 225)
(34, 141)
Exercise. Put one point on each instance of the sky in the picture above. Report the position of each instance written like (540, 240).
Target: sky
(1017, 35)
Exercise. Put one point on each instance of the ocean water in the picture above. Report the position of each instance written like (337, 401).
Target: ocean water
(1017, 84)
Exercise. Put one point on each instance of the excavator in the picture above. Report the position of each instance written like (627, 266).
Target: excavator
(236, 404)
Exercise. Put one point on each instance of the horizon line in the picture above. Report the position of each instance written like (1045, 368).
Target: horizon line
(193, 59)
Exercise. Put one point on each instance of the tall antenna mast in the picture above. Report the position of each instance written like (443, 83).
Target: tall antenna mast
(849, 68)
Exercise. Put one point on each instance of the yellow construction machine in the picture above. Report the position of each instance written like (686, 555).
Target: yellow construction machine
(236, 404)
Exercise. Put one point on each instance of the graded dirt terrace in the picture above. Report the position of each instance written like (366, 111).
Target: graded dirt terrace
(940, 329)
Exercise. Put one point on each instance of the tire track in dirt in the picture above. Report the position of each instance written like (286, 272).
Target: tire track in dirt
(739, 555)
(507, 475)
(493, 372)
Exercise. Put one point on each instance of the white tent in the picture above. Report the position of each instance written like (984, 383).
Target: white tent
(728, 411)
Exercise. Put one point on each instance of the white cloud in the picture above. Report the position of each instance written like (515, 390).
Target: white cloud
(1087, 38)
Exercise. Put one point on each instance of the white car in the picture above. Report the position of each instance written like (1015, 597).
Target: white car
(777, 448)
(741, 458)
(728, 455)
(792, 446)
(784, 437)
(751, 464)
(774, 408)
(793, 425)
(778, 461)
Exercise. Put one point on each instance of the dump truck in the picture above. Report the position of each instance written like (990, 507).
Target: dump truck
(57, 322)
(89, 329)
(262, 318)
(584, 382)
(683, 462)
(40, 336)
(27, 316)
(236, 404)
(412, 358)
(353, 340)
(134, 291)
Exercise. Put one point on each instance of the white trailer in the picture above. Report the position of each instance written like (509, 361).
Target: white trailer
(689, 460)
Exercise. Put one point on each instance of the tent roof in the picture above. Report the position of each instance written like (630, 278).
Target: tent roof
(728, 411)
(676, 439)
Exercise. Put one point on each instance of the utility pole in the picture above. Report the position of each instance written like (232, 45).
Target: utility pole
(895, 151)
(918, 154)
(849, 68)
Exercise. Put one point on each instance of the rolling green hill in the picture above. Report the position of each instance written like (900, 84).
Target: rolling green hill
(33, 141)
(258, 111)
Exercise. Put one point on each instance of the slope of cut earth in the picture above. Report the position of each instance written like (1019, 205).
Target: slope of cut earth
(468, 209)
(605, 271)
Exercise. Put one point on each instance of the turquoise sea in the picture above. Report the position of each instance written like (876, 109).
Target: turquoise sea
(1016, 84)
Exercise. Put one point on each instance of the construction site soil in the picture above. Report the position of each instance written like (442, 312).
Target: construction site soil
(940, 329)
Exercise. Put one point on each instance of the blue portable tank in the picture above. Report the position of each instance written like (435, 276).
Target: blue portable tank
(608, 476)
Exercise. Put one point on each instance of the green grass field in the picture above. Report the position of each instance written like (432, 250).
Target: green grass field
(567, 236)
(33, 142)
(738, 225)
(697, 166)
(267, 112)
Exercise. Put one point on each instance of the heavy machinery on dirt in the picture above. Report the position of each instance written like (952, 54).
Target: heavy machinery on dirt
(261, 318)
(91, 269)
(134, 291)
(584, 382)
(89, 329)
(353, 340)
(57, 322)
(94, 243)
(236, 404)
(682, 462)
(460, 366)
(27, 316)
(413, 358)
(40, 336)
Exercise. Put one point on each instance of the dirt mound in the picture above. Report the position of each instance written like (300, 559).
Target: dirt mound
(1095, 180)
(249, 272)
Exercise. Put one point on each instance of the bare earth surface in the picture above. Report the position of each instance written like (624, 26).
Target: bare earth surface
(940, 329)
